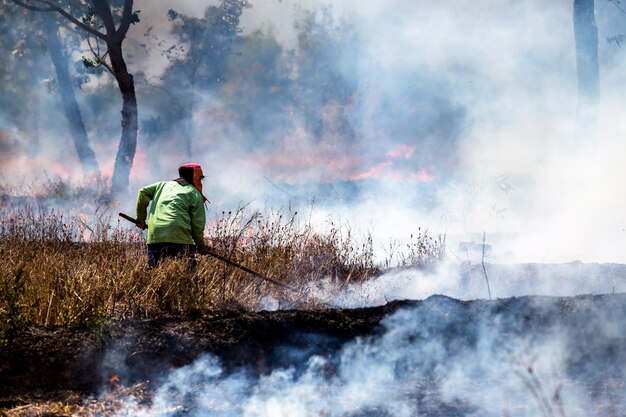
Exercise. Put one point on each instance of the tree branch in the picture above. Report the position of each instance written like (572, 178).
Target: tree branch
(32, 8)
(62, 12)
(103, 9)
(126, 20)
(101, 58)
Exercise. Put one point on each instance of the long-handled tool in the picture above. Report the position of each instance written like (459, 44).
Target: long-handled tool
(132, 220)
(207, 251)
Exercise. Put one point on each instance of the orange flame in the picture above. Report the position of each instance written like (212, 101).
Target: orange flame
(389, 170)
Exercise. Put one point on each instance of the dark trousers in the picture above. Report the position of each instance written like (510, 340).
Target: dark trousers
(159, 251)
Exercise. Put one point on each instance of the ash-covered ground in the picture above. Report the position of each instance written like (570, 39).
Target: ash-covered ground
(437, 356)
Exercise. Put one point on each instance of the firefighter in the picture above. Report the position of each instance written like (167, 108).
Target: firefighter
(177, 216)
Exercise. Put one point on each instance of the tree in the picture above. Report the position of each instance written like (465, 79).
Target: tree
(77, 129)
(28, 37)
(324, 79)
(94, 16)
(208, 41)
(20, 41)
(257, 86)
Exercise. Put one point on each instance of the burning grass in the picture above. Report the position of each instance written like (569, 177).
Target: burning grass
(62, 267)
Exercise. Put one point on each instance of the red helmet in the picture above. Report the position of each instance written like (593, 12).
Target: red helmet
(193, 174)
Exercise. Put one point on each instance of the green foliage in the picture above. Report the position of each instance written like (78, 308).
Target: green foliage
(210, 41)
(90, 16)
(199, 58)
(172, 14)
(134, 18)
(91, 62)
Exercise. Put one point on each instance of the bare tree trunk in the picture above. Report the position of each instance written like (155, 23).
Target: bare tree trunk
(113, 38)
(587, 66)
(86, 155)
(128, 142)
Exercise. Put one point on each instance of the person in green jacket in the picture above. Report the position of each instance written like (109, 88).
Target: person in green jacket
(177, 216)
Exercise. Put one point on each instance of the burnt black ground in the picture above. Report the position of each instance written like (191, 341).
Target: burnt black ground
(46, 361)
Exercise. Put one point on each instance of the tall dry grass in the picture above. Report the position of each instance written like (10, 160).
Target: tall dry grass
(64, 267)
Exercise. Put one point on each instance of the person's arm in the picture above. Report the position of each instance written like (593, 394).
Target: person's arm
(198, 221)
(144, 196)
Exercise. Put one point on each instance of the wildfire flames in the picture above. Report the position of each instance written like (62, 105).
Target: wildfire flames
(397, 165)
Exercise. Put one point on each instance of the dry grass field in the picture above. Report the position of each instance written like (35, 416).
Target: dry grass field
(74, 266)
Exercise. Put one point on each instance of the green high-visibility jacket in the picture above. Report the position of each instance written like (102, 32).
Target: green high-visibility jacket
(176, 213)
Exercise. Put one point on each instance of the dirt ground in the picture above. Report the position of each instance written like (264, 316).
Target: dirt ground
(45, 361)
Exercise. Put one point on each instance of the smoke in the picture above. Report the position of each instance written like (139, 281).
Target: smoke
(469, 281)
(456, 116)
(486, 98)
(439, 357)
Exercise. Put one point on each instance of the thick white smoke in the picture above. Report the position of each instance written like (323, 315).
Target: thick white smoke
(438, 358)
(496, 149)
(523, 173)
(469, 281)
